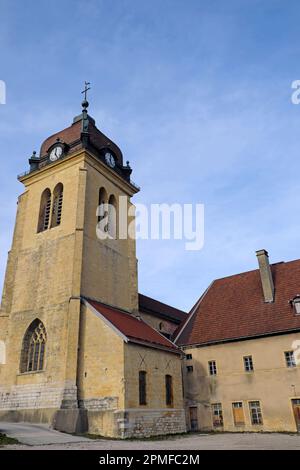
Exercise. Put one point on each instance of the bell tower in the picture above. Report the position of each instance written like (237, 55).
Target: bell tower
(56, 260)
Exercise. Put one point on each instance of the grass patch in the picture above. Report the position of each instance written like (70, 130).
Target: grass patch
(4, 440)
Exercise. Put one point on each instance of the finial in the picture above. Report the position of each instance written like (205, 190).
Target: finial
(127, 164)
(34, 155)
(85, 103)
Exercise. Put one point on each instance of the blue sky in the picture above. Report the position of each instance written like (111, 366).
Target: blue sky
(197, 93)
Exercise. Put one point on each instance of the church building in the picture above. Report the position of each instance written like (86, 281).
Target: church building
(85, 352)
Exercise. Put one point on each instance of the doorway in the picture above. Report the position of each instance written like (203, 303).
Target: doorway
(194, 418)
(296, 410)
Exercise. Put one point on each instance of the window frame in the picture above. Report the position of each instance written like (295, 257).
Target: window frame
(248, 363)
(212, 367)
(258, 413)
(290, 360)
(217, 411)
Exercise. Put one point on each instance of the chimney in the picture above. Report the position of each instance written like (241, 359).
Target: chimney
(265, 275)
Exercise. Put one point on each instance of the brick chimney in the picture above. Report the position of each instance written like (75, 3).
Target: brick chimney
(265, 275)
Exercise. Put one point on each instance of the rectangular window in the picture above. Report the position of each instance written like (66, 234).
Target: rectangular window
(188, 356)
(255, 412)
(169, 390)
(142, 388)
(248, 363)
(238, 413)
(290, 359)
(212, 367)
(217, 414)
(189, 368)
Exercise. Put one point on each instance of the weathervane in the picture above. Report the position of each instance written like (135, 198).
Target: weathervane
(87, 87)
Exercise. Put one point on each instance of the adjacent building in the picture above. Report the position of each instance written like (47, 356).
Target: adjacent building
(241, 344)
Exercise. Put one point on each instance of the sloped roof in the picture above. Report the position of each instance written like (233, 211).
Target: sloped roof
(234, 308)
(161, 310)
(72, 135)
(135, 330)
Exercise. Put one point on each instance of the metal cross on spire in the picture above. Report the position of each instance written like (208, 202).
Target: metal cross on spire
(87, 87)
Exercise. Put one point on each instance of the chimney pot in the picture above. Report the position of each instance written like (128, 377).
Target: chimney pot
(266, 275)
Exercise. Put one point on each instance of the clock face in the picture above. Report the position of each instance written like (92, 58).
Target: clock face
(56, 153)
(110, 159)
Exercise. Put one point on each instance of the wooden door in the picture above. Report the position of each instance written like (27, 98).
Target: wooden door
(296, 409)
(194, 418)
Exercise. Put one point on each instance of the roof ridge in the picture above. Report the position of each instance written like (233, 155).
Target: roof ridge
(163, 303)
(257, 269)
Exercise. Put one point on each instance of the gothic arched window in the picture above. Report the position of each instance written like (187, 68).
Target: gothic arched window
(45, 208)
(112, 217)
(57, 205)
(33, 347)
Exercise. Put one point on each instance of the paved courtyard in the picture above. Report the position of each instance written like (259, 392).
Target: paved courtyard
(35, 436)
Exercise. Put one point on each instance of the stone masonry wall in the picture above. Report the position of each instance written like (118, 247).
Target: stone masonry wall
(146, 423)
(34, 396)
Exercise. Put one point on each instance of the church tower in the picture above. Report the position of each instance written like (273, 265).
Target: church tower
(57, 259)
(77, 353)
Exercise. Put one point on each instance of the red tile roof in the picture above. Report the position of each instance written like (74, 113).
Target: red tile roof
(161, 310)
(72, 134)
(136, 330)
(234, 307)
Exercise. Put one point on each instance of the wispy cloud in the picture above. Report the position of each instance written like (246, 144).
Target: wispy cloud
(196, 94)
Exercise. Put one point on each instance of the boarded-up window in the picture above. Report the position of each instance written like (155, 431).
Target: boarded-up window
(217, 414)
(169, 390)
(143, 387)
(238, 413)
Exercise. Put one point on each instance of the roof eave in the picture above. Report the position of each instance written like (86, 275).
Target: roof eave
(239, 338)
(154, 346)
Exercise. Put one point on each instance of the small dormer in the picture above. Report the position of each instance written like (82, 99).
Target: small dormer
(295, 302)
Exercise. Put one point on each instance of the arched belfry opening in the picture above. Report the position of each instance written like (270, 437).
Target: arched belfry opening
(58, 194)
(112, 217)
(45, 209)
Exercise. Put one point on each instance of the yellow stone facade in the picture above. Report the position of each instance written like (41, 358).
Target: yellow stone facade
(89, 379)
(271, 383)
